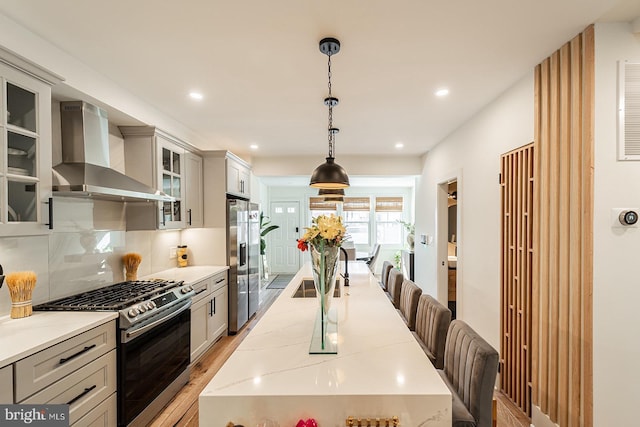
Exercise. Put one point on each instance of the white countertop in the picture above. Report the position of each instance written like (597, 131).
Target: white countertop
(22, 337)
(190, 274)
(379, 371)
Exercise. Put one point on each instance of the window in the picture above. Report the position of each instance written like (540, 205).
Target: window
(357, 219)
(388, 213)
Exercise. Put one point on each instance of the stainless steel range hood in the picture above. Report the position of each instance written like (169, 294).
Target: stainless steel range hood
(85, 170)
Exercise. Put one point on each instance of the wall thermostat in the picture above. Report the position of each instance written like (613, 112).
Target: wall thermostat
(624, 217)
(628, 217)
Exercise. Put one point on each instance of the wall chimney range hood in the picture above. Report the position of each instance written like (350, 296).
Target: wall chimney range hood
(85, 169)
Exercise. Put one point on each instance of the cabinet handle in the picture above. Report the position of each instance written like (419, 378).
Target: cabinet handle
(220, 280)
(214, 305)
(189, 210)
(73, 356)
(164, 223)
(86, 390)
(200, 291)
(210, 308)
(50, 223)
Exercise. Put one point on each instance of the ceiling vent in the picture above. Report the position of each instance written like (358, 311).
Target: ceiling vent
(628, 111)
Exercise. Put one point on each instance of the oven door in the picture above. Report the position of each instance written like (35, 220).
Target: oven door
(150, 358)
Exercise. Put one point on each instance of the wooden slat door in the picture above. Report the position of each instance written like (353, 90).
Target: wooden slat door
(517, 207)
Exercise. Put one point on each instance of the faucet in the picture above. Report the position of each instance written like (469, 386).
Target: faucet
(346, 266)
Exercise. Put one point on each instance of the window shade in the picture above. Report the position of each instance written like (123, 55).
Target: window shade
(320, 204)
(388, 204)
(356, 204)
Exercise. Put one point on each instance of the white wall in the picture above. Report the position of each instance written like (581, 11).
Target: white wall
(616, 270)
(472, 153)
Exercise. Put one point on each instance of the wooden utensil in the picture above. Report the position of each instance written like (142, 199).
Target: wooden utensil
(131, 262)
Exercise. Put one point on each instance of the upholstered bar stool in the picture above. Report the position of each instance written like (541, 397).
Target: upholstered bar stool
(384, 276)
(409, 296)
(432, 324)
(470, 370)
(394, 286)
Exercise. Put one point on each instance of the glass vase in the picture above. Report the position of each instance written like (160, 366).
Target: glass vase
(324, 264)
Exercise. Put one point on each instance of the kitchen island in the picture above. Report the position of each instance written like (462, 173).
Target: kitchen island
(380, 370)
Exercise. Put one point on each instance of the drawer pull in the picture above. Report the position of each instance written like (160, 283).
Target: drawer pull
(201, 291)
(84, 350)
(86, 390)
(220, 280)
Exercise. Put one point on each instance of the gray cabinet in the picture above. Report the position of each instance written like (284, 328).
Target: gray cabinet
(209, 312)
(238, 177)
(194, 193)
(79, 371)
(6, 379)
(167, 164)
(25, 146)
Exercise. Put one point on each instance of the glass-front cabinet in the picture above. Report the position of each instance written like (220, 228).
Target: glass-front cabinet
(25, 152)
(171, 177)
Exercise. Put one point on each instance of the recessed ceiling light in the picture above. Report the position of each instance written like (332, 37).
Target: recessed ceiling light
(399, 145)
(442, 92)
(196, 95)
(254, 146)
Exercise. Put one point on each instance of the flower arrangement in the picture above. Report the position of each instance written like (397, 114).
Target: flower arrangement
(324, 228)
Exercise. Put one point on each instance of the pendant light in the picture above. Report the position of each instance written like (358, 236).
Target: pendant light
(332, 195)
(330, 175)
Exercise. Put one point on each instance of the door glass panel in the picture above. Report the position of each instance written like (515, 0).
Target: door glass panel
(166, 211)
(176, 163)
(21, 107)
(21, 156)
(22, 202)
(166, 184)
(177, 190)
(176, 210)
(166, 160)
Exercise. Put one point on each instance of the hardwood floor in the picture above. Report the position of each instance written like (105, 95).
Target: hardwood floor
(182, 411)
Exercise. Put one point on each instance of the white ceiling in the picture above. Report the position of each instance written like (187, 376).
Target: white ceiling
(264, 80)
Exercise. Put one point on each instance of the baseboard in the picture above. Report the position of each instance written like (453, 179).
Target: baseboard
(540, 419)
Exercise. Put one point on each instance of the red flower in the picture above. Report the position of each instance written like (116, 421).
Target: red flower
(302, 245)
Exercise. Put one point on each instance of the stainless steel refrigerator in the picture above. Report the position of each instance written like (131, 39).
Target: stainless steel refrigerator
(243, 252)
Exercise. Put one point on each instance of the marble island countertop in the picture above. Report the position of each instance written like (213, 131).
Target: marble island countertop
(379, 371)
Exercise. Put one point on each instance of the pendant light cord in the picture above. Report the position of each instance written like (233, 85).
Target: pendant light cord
(330, 133)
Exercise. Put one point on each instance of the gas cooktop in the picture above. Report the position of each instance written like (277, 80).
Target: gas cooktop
(112, 298)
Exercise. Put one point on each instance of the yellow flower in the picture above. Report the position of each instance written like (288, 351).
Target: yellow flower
(325, 228)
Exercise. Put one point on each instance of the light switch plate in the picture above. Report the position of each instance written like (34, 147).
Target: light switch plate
(615, 217)
(173, 252)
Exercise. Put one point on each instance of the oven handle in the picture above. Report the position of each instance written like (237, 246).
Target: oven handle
(143, 329)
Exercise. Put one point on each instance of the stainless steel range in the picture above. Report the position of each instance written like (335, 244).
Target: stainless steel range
(153, 341)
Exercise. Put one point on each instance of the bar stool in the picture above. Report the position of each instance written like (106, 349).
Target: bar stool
(409, 296)
(384, 276)
(432, 324)
(394, 286)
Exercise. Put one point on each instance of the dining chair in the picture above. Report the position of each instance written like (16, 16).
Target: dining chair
(384, 276)
(394, 286)
(374, 257)
(432, 324)
(409, 296)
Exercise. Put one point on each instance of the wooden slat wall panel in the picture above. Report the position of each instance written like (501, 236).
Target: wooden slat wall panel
(562, 234)
(517, 187)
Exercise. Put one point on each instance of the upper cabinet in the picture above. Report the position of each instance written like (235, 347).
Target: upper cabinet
(238, 176)
(163, 162)
(194, 193)
(25, 146)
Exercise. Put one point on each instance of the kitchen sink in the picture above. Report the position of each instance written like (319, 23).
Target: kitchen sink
(308, 290)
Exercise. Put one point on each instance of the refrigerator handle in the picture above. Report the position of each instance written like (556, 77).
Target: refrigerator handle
(243, 255)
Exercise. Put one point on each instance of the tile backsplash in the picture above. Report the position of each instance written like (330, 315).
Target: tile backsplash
(84, 251)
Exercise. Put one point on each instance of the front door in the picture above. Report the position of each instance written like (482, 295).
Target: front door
(282, 250)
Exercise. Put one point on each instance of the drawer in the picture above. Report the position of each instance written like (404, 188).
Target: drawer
(6, 379)
(202, 289)
(41, 369)
(103, 415)
(82, 390)
(219, 280)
